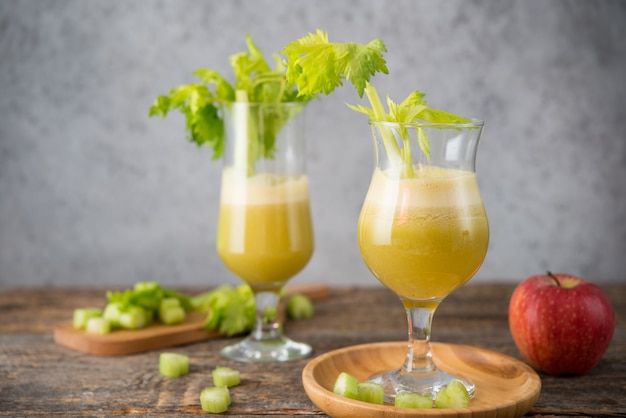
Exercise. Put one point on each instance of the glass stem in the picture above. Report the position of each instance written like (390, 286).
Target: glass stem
(267, 326)
(419, 357)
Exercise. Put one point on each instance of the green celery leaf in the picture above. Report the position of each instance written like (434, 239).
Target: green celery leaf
(230, 310)
(317, 66)
(236, 318)
(254, 81)
(207, 128)
(411, 107)
(360, 62)
(440, 116)
(183, 299)
(268, 87)
(190, 96)
(363, 109)
(246, 65)
(160, 107)
(223, 89)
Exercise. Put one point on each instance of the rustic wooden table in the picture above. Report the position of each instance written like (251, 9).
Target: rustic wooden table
(41, 378)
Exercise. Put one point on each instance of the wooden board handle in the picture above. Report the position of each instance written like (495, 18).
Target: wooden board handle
(314, 291)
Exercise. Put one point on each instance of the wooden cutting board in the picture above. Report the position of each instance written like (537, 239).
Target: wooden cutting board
(157, 336)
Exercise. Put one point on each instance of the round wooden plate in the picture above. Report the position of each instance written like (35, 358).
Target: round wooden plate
(505, 387)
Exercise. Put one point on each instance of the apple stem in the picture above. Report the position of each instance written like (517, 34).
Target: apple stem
(549, 273)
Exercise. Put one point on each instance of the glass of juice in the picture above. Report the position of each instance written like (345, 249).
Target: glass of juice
(265, 233)
(423, 232)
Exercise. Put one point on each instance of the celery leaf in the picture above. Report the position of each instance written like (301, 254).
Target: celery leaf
(318, 66)
(255, 81)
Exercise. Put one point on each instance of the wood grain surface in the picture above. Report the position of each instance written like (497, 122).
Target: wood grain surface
(39, 378)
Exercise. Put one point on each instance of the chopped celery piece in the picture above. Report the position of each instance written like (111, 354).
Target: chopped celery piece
(172, 316)
(146, 300)
(454, 395)
(173, 364)
(269, 314)
(167, 303)
(148, 316)
(134, 317)
(371, 392)
(347, 386)
(98, 325)
(112, 312)
(225, 376)
(300, 307)
(215, 399)
(184, 300)
(82, 315)
(412, 400)
(171, 311)
(146, 286)
(244, 290)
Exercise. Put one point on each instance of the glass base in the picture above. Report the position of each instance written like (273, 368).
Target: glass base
(250, 350)
(428, 384)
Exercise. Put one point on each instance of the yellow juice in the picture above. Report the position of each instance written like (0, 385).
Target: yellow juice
(264, 233)
(425, 236)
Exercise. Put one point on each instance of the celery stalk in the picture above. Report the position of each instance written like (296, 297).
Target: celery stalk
(247, 145)
(318, 66)
(389, 141)
(241, 119)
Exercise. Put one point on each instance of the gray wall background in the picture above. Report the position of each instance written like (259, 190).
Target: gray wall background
(93, 192)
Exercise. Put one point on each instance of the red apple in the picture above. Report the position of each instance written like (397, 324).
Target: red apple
(560, 323)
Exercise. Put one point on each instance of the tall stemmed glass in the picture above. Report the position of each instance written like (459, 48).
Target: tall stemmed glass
(423, 232)
(265, 233)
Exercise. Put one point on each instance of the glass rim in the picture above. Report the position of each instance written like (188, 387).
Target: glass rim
(255, 104)
(471, 123)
